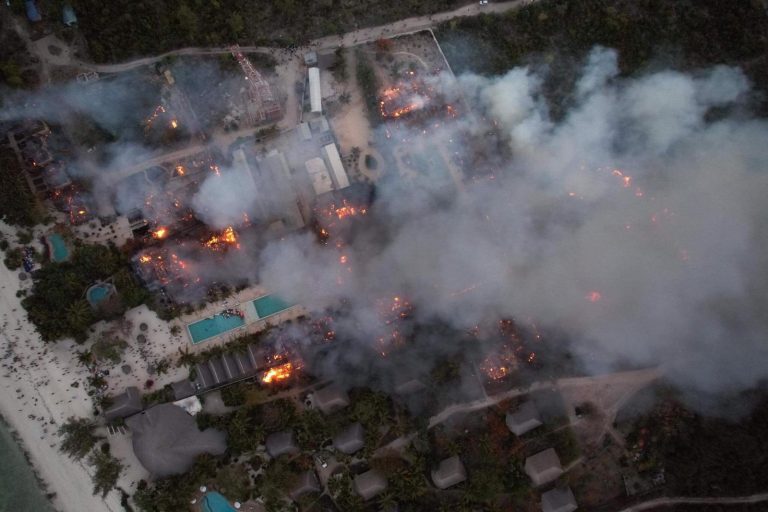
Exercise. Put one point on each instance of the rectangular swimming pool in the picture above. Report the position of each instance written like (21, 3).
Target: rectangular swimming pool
(59, 249)
(269, 305)
(213, 326)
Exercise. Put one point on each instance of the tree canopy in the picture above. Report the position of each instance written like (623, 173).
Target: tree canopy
(79, 437)
(57, 304)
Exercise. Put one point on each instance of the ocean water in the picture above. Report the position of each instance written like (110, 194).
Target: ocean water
(19, 491)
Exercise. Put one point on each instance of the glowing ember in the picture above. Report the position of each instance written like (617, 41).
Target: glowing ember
(174, 124)
(593, 296)
(228, 237)
(180, 171)
(160, 233)
(348, 210)
(144, 258)
(278, 373)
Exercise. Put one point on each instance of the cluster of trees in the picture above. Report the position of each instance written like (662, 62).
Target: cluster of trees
(492, 455)
(369, 86)
(18, 205)
(677, 33)
(708, 456)
(14, 58)
(57, 304)
(172, 494)
(78, 441)
(117, 31)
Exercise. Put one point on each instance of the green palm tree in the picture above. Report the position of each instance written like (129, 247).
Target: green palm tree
(186, 358)
(79, 316)
(85, 357)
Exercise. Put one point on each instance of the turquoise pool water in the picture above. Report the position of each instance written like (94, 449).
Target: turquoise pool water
(97, 294)
(59, 249)
(215, 502)
(269, 305)
(213, 326)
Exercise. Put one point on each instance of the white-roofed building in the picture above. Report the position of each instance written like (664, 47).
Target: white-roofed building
(543, 467)
(315, 93)
(318, 173)
(338, 173)
(524, 419)
(449, 473)
(369, 484)
(558, 500)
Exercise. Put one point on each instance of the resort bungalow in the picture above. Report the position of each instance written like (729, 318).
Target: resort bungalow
(543, 467)
(166, 440)
(558, 500)
(281, 443)
(369, 484)
(350, 440)
(182, 389)
(125, 404)
(449, 473)
(524, 419)
(330, 399)
(307, 483)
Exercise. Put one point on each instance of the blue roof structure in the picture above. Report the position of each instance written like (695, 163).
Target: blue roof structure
(68, 15)
(32, 13)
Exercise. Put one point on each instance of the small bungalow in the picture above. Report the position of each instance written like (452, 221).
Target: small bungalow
(449, 473)
(558, 500)
(369, 484)
(281, 443)
(543, 467)
(524, 419)
(307, 483)
(125, 404)
(350, 440)
(330, 399)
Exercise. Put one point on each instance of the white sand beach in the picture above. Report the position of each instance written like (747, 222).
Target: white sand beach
(36, 396)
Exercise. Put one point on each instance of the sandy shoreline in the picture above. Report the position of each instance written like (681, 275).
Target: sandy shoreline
(36, 397)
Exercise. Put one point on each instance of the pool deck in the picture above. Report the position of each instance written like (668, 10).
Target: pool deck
(244, 301)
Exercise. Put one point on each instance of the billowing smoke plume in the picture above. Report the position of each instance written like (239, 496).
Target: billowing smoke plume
(636, 225)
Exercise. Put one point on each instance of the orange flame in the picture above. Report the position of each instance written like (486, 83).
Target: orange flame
(278, 373)
(160, 233)
(228, 236)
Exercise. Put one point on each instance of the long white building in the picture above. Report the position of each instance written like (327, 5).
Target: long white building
(315, 93)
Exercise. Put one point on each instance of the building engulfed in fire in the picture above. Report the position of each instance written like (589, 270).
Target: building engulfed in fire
(48, 177)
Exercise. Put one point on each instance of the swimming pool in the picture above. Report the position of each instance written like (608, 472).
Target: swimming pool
(97, 293)
(269, 305)
(215, 502)
(58, 247)
(213, 326)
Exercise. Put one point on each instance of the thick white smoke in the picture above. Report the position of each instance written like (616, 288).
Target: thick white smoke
(636, 225)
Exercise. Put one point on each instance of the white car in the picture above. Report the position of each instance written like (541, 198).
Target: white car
(483, 2)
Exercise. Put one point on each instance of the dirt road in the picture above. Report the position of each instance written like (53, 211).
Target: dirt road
(660, 502)
(363, 35)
